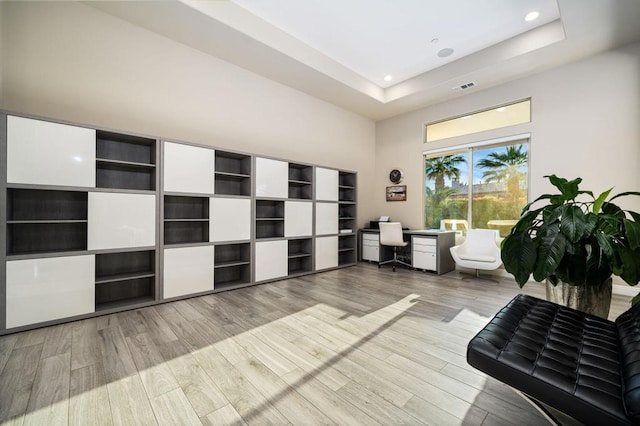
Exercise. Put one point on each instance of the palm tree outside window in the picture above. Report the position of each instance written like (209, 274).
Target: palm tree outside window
(496, 195)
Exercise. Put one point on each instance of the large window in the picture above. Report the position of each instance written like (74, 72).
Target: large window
(479, 187)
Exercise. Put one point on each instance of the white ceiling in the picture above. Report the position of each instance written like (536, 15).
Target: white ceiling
(316, 54)
(402, 38)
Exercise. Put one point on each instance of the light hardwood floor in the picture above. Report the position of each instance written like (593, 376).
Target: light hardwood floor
(356, 346)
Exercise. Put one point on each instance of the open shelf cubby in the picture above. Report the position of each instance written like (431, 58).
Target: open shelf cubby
(300, 181)
(186, 219)
(124, 278)
(300, 255)
(347, 187)
(269, 219)
(41, 221)
(232, 263)
(347, 249)
(233, 173)
(125, 161)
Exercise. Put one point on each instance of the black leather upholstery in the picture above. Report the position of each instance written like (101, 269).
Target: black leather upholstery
(564, 358)
(628, 328)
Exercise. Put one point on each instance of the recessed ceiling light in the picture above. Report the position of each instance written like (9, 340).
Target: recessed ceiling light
(447, 51)
(388, 77)
(532, 16)
(501, 109)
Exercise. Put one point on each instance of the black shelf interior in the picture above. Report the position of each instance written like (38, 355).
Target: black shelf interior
(347, 242)
(346, 257)
(120, 266)
(347, 187)
(300, 259)
(232, 264)
(41, 221)
(347, 249)
(300, 248)
(42, 205)
(124, 278)
(231, 254)
(125, 162)
(233, 173)
(269, 219)
(123, 293)
(347, 179)
(300, 181)
(186, 219)
(231, 162)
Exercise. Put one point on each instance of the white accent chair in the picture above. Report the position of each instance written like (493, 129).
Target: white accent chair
(391, 235)
(479, 251)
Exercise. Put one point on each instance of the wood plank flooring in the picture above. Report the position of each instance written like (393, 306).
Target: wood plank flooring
(356, 346)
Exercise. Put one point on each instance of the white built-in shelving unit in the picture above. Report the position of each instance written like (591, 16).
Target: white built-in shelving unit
(99, 221)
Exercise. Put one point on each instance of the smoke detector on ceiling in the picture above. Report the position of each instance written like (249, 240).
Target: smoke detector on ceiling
(465, 86)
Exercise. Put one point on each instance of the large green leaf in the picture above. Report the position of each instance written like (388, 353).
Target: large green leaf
(525, 221)
(597, 204)
(569, 189)
(572, 223)
(632, 231)
(519, 256)
(590, 224)
(630, 265)
(604, 243)
(598, 268)
(624, 194)
(550, 251)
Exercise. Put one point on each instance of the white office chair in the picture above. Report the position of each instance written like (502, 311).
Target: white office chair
(478, 251)
(391, 235)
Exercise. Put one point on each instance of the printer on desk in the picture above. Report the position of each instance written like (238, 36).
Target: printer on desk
(375, 224)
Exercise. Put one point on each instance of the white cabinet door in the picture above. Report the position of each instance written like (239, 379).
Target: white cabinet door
(118, 220)
(43, 153)
(326, 252)
(326, 218)
(230, 219)
(326, 184)
(271, 259)
(187, 270)
(188, 168)
(298, 218)
(48, 289)
(272, 178)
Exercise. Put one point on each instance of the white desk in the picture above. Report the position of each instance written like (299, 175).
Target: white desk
(429, 249)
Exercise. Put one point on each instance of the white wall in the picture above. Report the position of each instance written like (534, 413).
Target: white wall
(70, 61)
(585, 122)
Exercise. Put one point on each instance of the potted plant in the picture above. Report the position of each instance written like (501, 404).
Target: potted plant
(575, 245)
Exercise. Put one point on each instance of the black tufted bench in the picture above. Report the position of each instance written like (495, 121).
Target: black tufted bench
(581, 365)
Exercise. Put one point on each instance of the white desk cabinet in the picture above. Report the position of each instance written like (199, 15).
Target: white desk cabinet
(118, 220)
(326, 218)
(271, 259)
(272, 178)
(326, 184)
(298, 218)
(47, 289)
(326, 252)
(371, 247)
(188, 169)
(423, 253)
(229, 219)
(44, 153)
(188, 270)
